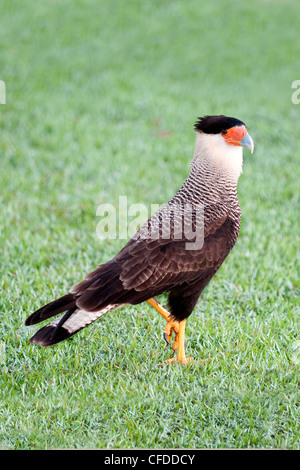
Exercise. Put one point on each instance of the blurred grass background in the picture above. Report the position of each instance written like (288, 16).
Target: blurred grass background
(101, 98)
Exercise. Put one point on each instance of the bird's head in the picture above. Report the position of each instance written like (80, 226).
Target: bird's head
(220, 140)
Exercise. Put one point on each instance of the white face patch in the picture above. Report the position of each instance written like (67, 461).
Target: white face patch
(218, 154)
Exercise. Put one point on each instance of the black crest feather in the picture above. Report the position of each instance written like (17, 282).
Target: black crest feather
(216, 124)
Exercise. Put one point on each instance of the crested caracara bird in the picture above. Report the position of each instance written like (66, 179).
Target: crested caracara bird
(177, 251)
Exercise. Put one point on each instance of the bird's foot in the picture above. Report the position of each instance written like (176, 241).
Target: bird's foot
(176, 327)
(179, 343)
(181, 357)
(172, 327)
(181, 360)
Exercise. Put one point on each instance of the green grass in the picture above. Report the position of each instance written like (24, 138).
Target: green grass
(101, 101)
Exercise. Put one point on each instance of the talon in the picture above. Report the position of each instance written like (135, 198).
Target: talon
(171, 357)
(172, 326)
(166, 338)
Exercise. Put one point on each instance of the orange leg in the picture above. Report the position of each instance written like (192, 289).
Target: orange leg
(181, 357)
(173, 326)
(159, 309)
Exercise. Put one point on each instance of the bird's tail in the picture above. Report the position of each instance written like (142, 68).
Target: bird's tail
(100, 292)
(67, 325)
(55, 307)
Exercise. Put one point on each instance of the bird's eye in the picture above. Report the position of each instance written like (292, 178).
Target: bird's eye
(224, 132)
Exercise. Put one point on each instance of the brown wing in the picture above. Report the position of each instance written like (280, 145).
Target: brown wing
(160, 264)
(146, 267)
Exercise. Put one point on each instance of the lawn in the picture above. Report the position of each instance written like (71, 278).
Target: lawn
(101, 98)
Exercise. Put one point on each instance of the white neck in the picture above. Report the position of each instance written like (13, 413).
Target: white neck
(212, 151)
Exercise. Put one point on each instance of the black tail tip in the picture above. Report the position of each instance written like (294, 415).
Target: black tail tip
(49, 335)
(51, 309)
